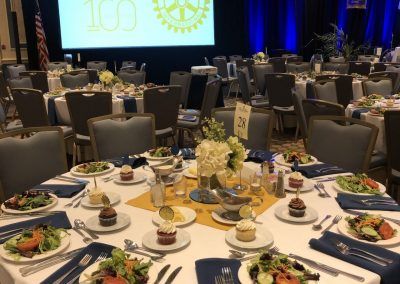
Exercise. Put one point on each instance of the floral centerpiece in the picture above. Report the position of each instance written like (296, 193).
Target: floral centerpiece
(259, 57)
(108, 79)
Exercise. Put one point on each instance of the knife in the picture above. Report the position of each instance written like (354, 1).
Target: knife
(355, 212)
(317, 265)
(162, 273)
(173, 275)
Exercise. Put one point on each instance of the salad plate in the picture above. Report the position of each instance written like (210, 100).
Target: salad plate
(93, 223)
(159, 154)
(112, 196)
(137, 178)
(182, 216)
(307, 185)
(150, 240)
(263, 239)
(52, 199)
(282, 212)
(287, 159)
(92, 169)
(359, 184)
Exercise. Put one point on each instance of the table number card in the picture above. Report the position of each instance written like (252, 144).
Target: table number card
(241, 121)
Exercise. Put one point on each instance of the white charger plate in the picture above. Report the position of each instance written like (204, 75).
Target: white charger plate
(78, 174)
(137, 178)
(307, 185)
(150, 240)
(282, 212)
(40, 209)
(114, 198)
(382, 189)
(263, 239)
(93, 223)
(280, 160)
(189, 214)
(65, 240)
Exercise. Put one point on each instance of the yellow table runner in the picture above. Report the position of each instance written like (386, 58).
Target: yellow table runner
(203, 210)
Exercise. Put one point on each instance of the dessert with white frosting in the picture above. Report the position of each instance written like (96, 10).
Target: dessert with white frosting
(166, 233)
(95, 195)
(296, 180)
(126, 173)
(245, 230)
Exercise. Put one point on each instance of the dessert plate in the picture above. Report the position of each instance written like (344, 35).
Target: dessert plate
(187, 213)
(39, 209)
(307, 185)
(282, 212)
(137, 178)
(280, 160)
(187, 174)
(114, 198)
(150, 240)
(93, 223)
(216, 215)
(263, 239)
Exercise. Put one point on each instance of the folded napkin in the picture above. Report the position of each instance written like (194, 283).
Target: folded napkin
(129, 103)
(357, 112)
(51, 111)
(58, 220)
(94, 249)
(259, 156)
(188, 153)
(208, 268)
(126, 160)
(190, 118)
(389, 274)
(352, 201)
(319, 170)
(62, 190)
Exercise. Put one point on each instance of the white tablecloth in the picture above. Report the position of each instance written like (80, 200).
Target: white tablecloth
(206, 242)
(301, 87)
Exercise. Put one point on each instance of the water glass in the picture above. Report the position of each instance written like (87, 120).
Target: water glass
(180, 187)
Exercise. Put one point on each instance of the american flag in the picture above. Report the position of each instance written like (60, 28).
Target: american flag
(41, 39)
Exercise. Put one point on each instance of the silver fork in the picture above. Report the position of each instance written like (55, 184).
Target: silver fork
(80, 200)
(334, 222)
(346, 251)
(82, 263)
(102, 256)
(219, 280)
(227, 274)
(321, 186)
(75, 199)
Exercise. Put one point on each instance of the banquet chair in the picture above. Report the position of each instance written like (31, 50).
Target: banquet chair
(57, 65)
(298, 67)
(380, 66)
(14, 70)
(360, 67)
(27, 162)
(132, 77)
(74, 80)
(248, 90)
(287, 55)
(279, 89)
(395, 68)
(38, 78)
(337, 59)
(301, 119)
(20, 82)
(249, 63)
(331, 139)
(112, 138)
(11, 126)
(163, 103)
(128, 65)
(83, 105)
(278, 63)
(234, 58)
(344, 87)
(294, 59)
(367, 58)
(209, 102)
(261, 124)
(259, 71)
(98, 65)
(378, 85)
(197, 88)
(92, 73)
(222, 66)
(5, 97)
(183, 79)
(341, 68)
(392, 125)
(394, 76)
(325, 90)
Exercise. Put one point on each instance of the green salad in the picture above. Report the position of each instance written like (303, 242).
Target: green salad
(375, 97)
(290, 156)
(160, 152)
(92, 167)
(371, 228)
(29, 200)
(36, 241)
(359, 183)
(268, 269)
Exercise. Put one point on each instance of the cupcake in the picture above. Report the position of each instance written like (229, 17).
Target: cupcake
(95, 195)
(245, 230)
(166, 233)
(297, 208)
(108, 215)
(296, 180)
(126, 173)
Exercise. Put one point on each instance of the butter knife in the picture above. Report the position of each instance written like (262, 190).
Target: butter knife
(172, 276)
(317, 265)
(162, 273)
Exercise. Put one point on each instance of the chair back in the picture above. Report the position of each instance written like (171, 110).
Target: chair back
(298, 109)
(38, 78)
(31, 107)
(337, 59)
(392, 125)
(112, 138)
(344, 87)
(20, 82)
(57, 65)
(83, 105)
(14, 70)
(279, 89)
(163, 102)
(143, 67)
(360, 67)
(395, 68)
(249, 63)
(334, 143)
(295, 58)
(378, 85)
(287, 55)
(128, 65)
(222, 66)
(367, 58)
(279, 64)
(27, 162)
(244, 84)
(326, 90)
(341, 68)
(98, 65)
(394, 76)
(133, 77)
(210, 98)
(74, 80)
(320, 108)
(234, 58)
(259, 71)
(298, 67)
(4, 94)
(380, 66)
(196, 91)
(183, 79)
(260, 126)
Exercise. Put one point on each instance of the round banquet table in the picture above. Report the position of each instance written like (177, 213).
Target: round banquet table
(206, 242)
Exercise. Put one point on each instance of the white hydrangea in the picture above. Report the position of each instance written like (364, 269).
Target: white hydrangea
(106, 77)
(212, 157)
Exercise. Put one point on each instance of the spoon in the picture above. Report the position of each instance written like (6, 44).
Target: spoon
(240, 254)
(81, 225)
(86, 240)
(320, 192)
(132, 246)
(318, 226)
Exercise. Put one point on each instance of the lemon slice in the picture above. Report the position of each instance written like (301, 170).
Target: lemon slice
(245, 211)
(166, 213)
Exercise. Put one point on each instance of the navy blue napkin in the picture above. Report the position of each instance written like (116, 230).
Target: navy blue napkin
(389, 274)
(62, 190)
(51, 111)
(129, 103)
(318, 170)
(58, 220)
(357, 112)
(208, 268)
(352, 201)
(259, 156)
(126, 160)
(188, 153)
(94, 249)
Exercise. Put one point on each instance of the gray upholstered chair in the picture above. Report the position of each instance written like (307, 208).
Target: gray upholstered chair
(378, 85)
(14, 70)
(360, 67)
(341, 68)
(392, 125)
(56, 65)
(74, 80)
(27, 162)
(337, 59)
(278, 63)
(20, 82)
(395, 68)
(344, 87)
(249, 63)
(38, 78)
(183, 79)
(5, 97)
(347, 144)
(326, 90)
(223, 71)
(261, 125)
(298, 67)
(110, 138)
(320, 108)
(11, 126)
(367, 58)
(128, 65)
(98, 65)
(247, 90)
(234, 58)
(395, 76)
(295, 58)
(301, 119)
(259, 71)
(133, 77)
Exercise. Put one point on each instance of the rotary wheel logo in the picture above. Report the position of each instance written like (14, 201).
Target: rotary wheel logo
(181, 15)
